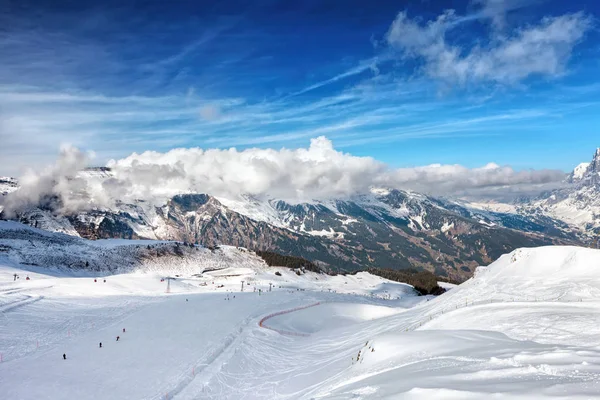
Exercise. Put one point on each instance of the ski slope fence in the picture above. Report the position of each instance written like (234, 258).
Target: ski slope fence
(262, 321)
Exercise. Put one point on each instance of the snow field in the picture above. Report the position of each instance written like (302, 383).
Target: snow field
(522, 328)
(168, 341)
(174, 343)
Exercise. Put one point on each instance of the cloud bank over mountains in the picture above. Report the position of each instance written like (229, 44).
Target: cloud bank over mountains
(317, 172)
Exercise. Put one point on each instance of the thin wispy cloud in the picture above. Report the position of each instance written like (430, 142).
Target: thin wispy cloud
(367, 65)
(122, 81)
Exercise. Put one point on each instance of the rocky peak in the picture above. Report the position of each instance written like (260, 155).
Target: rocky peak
(587, 173)
(192, 202)
(595, 164)
(579, 172)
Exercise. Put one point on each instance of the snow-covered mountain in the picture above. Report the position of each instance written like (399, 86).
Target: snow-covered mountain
(7, 185)
(577, 204)
(384, 228)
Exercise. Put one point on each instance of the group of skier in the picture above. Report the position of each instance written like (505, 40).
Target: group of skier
(99, 345)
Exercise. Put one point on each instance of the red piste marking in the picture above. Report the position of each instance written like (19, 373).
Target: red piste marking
(262, 321)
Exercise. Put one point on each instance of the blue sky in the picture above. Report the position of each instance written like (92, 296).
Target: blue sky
(408, 83)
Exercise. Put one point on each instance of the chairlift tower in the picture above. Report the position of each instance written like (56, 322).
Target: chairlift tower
(168, 278)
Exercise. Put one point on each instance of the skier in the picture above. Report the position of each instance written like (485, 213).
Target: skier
(64, 356)
(117, 338)
(100, 344)
(123, 330)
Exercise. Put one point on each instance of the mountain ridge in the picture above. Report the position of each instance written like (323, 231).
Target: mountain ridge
(384, 228)
(396, 230)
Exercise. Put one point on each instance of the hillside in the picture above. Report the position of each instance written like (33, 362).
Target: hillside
(43, 250)
(522, 327)
(58, 254)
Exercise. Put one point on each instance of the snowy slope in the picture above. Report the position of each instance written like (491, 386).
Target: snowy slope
(40, 250)
(523, 327)
(579, 171)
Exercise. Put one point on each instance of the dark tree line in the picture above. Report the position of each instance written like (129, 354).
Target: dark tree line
(424, 282)
(278, 260)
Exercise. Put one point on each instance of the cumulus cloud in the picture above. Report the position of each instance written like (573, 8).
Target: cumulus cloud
(317, 172)
(56, 187)
(543, 49)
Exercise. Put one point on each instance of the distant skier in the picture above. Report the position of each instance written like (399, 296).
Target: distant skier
(100, 344)
(64, 356)
(117, 338)
(123, 330)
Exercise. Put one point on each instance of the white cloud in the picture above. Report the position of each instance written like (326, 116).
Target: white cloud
(55, 184)
(543, 49)
(497, 10)
(317, 172)
(457, 179)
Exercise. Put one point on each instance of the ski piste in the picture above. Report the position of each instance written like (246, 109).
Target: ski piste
(523, 327)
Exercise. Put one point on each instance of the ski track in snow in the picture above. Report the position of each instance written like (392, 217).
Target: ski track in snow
(19, 303)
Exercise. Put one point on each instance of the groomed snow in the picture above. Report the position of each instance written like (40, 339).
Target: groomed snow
(524, 327)
(328, 316)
